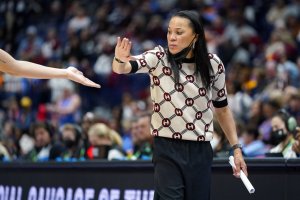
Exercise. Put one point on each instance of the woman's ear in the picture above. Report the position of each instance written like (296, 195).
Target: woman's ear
(196, 37)
(195, 40)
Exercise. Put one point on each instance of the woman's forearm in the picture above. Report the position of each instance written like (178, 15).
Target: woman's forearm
(225, 118)
(28, 69)
(32, 70)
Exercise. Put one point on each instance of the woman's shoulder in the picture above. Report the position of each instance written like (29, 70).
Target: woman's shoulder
(214, 59)
(156, 49)
(157, 52)
(216, 63)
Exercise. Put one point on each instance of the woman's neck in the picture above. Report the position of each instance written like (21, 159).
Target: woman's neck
(190, 54)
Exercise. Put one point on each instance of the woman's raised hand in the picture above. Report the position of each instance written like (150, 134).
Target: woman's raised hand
(122, 50)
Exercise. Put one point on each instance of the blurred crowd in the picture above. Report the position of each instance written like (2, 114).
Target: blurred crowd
(258, 42)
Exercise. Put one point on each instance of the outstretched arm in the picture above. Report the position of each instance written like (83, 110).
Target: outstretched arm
(121, 64)
(31, 70)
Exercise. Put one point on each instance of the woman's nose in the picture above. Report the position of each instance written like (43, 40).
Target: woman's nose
(172, 37)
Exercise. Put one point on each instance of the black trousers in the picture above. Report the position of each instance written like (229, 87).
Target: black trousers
(182, 169)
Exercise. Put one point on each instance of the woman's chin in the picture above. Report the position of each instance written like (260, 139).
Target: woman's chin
(173, 51)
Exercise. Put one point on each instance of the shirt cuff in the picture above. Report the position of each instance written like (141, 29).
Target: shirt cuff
(220, 104)
(134, 66)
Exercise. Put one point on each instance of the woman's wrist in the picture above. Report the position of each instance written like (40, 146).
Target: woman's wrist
(118, 60)
(66, 73)
(236, 146)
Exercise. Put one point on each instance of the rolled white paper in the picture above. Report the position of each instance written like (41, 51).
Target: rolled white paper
(243, 177)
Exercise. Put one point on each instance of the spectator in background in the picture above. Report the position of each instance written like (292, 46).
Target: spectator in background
(42, 132)
(51, 48)
(126, 137)
(87, 44)
(269, 109)
(103, 63)
(73, 146)
(283, 127)
(66, 109)
(145, 149)
(12, 22)
(255, 115)
(10, 137)
(13, 86)
(80, 21)
(293, 106)
(276, 12)
(88, 120)
(136, 142)
(30, 46)
(252, 144)
(4, 155)
(287, 70)
(105, 142)
(26, 116)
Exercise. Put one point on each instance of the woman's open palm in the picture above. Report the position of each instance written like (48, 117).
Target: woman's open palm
(77, 76)
(122, 50)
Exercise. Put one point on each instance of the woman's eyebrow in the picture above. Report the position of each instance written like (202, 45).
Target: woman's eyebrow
(178, 28)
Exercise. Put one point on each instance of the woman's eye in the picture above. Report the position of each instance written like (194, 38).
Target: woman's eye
(179, 33)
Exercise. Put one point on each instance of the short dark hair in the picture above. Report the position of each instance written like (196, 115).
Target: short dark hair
(42, 124)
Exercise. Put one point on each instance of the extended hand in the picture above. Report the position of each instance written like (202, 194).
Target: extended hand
(77, 76)
(122, 50)
(239, 163)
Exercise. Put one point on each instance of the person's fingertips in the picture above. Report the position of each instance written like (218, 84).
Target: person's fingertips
(128, 46)
(119, 42)
(123, 43)
(126, 43)
(93, 84)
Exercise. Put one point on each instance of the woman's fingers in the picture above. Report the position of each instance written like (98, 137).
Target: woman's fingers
(123, 43)
(77, 76)
(118, 42)
(128, 47)
(122, 50)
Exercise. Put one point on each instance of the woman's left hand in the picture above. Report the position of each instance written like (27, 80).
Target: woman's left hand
(77, 76)
(239, 163)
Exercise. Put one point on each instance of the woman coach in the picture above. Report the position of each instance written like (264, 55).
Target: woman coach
(186, 82)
